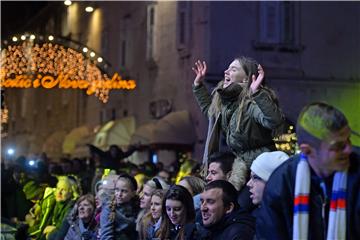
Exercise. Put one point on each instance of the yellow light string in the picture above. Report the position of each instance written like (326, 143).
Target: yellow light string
(51, 59)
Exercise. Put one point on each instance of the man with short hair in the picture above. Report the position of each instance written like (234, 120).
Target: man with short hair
(221, 216)
(315, 195)
(220, 166)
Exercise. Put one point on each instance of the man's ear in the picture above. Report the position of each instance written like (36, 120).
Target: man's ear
(229, 208)
(306, 149)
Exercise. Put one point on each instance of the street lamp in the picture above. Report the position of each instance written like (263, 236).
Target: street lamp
(89, 9)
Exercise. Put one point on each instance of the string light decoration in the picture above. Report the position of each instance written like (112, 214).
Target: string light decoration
(4, 116)
(34, 64)
(287, 142)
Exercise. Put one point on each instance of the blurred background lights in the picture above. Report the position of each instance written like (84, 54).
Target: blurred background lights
(23, 37)
(14, 39)
(10, 151)
(99, 59)
(32, 36)
(92, 54)
(51, 38)
(89, 9)
(85, 50)
(67, 2)
(31, 162)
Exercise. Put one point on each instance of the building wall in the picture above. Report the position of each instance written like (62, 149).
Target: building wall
(322, 64)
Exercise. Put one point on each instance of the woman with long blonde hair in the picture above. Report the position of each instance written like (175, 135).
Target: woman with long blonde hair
(243, 110)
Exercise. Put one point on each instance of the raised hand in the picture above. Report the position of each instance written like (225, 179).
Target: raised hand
(200, 71)
(256, 82)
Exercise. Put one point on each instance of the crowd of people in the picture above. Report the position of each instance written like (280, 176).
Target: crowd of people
(251, 191)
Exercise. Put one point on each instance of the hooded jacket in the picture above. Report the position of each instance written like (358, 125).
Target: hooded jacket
(246, 139)
(260, 116)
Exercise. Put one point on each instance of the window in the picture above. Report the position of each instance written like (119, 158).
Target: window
(150, 31)
(183, 27)
(123, 53)
(278, 25)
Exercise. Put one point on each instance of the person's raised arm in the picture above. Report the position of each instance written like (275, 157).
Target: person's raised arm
(256, 81)
(200, 71)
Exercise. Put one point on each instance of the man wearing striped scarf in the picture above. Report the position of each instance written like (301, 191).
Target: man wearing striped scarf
(316, 194)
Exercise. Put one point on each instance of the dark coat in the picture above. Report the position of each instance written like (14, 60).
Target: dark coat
(275, 216)
(260, 115)
(123, 226)
(235, 226)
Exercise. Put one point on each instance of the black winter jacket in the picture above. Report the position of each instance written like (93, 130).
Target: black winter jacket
(238, 225)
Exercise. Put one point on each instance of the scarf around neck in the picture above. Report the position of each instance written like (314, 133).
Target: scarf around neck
(337, 216)
(230, 94)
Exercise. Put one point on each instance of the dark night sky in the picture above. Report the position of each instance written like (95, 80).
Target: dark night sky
(16, 14)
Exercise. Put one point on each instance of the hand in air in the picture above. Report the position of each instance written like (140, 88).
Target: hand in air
(200, 71)
(256, 82)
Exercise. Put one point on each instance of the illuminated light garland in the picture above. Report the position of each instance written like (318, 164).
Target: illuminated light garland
(48, 65)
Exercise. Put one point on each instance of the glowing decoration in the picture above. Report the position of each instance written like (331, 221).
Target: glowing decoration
(31, 162)
(4, 115)
(89, 9)
(99, 59)
(49, 65)
(32, 37)
(287, 142)
(92, 54)
(14, 39)
(51, 38)
(67, 2)
(23, 37)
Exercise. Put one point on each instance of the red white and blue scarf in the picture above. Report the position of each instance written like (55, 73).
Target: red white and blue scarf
(337, 215)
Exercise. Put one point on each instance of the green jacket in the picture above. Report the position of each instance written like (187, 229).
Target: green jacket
(260, 116)
(47, 204)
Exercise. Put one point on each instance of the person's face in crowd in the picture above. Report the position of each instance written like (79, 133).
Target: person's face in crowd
(98, 201)
(123, 192)
(63, 191)
(212, 206)
(164, 175)
(186, 185)
(86, 211)
(114, 152)
(215, 172)
(156, 207)
(333, 153)
(175, 211)
(256, 187)
(146, 196)
(234, 74)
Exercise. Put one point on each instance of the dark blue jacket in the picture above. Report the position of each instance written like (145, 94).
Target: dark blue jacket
(275, 216)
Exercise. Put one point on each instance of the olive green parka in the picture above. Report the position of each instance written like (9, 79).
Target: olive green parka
(248, 138)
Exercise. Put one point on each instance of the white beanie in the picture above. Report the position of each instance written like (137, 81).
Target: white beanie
(267, 162)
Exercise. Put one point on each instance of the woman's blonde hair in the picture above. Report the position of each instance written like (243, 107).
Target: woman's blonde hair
(148, 220)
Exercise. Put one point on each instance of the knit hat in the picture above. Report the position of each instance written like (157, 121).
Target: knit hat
(267, 162)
